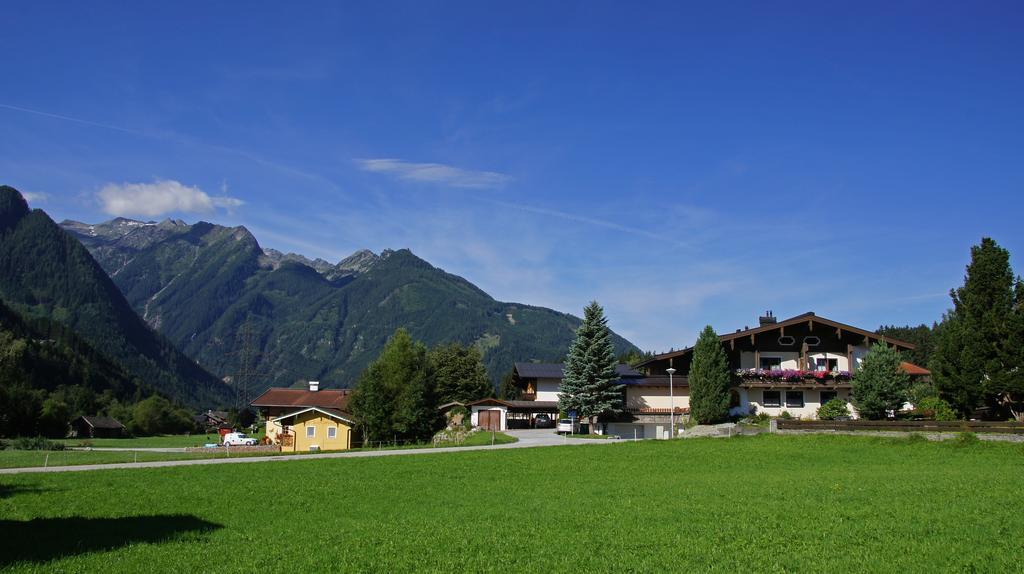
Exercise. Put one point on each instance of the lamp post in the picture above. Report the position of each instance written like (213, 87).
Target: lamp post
(671, 402)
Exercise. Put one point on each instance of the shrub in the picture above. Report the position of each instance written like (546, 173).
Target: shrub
(833, 409)
(966, 439)
(936, 409)
(784, 415)
(34, 443)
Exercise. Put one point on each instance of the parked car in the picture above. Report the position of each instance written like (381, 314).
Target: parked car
(543, 421)
(238, 439)
(565, 426)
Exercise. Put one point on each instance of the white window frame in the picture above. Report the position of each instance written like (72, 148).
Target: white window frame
(310, 432)
(785, 400)
(332, 432)
(764, 400)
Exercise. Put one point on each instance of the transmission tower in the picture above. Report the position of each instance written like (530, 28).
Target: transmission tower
(248, 356)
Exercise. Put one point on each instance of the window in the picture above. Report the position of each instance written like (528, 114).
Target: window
(794, 399)
(310, 432)
(772, 399)
(812, 341)
(827, 396)
(829, 365)
(332, 432)
(787, 341)
(771, 363)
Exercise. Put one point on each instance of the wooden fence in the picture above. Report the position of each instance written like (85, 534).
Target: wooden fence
(906, 426)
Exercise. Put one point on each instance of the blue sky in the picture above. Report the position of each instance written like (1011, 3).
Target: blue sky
(681, 165)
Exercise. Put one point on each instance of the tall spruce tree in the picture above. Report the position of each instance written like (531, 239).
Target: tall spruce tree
(880, 385)
(395, 397)
(709, 379)
(590, 383)
(973, 363)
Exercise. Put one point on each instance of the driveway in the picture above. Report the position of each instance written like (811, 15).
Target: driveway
(531, 438)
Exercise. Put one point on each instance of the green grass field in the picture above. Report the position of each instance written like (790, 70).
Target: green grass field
(766, 503)
(160, 441)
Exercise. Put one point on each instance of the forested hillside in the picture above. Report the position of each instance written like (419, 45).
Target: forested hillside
(47, 274)
(220, 297)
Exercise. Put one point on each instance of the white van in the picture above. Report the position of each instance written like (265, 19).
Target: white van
(238, 439)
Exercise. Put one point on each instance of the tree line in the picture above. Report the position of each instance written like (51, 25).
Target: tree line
(397, 397)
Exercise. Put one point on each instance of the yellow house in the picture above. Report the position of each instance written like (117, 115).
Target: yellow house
(317, 428)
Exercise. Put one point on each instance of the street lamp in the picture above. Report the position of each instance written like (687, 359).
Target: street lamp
(671, 402)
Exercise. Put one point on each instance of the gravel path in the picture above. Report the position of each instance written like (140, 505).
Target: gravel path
(527, 439)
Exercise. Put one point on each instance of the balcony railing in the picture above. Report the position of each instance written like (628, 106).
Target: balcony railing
(528, 397)
(656, 411)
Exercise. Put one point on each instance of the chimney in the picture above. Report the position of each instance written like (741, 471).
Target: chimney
(768, 319)
(314, 386)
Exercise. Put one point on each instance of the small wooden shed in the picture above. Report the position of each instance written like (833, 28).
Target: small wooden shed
(97, 427)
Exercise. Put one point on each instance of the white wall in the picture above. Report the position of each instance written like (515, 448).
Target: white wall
(638, 397)
(812, 402)
(475, 414)
(547, 389)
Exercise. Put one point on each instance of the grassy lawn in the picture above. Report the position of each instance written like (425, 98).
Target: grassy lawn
(32, 458)
(161, 441)
(766, 503)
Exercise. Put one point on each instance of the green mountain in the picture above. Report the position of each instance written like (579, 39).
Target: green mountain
(237, 308)
(42, 354)
(47, 274)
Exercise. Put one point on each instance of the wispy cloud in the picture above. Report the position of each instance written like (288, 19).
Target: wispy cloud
(437, 173)
(35, 197)
(637, 230)
(159, 198)
(186, 141)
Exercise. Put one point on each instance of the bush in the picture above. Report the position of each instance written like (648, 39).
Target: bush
(833, 409)
(936, 409)
(966, 439)
(785, 416)
(34, 443)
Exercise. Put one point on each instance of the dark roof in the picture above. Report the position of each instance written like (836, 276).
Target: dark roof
(534, 405)
(102, 422)
(554, 370)
(281, 397)
(656, 381)
(808, 316)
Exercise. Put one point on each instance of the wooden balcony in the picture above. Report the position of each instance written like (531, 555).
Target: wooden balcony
(528, 397)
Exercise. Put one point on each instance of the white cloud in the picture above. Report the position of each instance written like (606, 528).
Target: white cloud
(435, 173)
(159, 198)
(32, 197)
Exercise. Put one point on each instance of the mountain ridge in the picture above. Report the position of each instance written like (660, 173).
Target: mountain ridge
(203, 283)
(46, 273)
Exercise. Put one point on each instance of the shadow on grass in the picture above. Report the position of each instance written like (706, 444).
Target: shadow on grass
(44, 539)
(8, 490)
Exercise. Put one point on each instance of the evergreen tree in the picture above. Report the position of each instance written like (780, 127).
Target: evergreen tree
(459, 373)
(590, 383)
(973, 363)
(709, 379)
(1008, 389)
(509, 391)
(395, 396)
(880, 385)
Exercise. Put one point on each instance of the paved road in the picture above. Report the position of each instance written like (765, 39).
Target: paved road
(527, 439)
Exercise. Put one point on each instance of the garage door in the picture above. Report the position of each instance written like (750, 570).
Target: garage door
(489, 420)
(626, 431)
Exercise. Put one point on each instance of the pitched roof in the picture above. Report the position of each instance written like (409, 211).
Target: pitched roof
(333, 413)
(102, 422)
(912, 369)
(554, 370)
(535, 405)
(808, 316)
(281, 397)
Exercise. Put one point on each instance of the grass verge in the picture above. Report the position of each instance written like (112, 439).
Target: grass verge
(763, 504)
